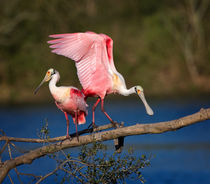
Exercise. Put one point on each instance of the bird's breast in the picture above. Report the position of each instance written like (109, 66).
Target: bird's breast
(67, 106)
(61, 95)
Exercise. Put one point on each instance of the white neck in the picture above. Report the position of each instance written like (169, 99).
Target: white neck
(126, 92)
(52, 84)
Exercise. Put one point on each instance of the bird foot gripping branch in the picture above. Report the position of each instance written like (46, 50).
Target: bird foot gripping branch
(116, 124)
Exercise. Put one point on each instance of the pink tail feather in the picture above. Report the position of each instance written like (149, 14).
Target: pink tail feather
(81, 118)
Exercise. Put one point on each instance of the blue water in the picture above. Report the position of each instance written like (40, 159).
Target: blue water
(181, 156)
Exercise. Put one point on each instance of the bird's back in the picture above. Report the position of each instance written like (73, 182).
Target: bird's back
(70, 100)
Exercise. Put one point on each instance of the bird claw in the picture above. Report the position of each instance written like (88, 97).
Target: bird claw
(115, 124)
(68, 137)
(95, 126)
(92, 126)
(77, 137)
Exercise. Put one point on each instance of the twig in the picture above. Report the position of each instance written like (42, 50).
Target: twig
(16, 148)
(67, 171)
(10, 155)
(3, 148)
(47, 175)
(10, 179)
(2, 131)
(29, 174)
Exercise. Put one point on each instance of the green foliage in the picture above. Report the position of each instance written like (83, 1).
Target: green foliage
(95, 164)
(44, 132)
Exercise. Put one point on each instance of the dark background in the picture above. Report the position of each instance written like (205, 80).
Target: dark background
(161, 45)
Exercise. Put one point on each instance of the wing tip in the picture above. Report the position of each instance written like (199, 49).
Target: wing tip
(50, 42)
(57, 35)
(62, 35)
(56, 51)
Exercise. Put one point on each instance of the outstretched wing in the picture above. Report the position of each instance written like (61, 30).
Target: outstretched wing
(109, 49)
(88, 50)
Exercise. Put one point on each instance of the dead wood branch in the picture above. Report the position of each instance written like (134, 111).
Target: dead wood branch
(55, 139)
(138, 129)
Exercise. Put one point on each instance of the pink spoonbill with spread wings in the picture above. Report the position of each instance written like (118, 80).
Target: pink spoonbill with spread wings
(93, 56)
(68, 99)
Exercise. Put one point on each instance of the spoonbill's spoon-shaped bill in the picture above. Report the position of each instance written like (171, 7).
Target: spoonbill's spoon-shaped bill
(140, 93)
(46, 79)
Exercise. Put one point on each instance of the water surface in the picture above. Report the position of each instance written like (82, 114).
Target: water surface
(181, 156)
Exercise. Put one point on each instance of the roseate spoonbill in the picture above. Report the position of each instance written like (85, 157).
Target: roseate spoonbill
(68, 99)
(93, 56)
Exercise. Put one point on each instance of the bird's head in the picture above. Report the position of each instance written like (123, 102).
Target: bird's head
(48, 77)
(49, 74)
(140, 92)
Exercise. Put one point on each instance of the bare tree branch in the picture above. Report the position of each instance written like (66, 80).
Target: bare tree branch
(47, 175)
(55, 139)
(138, 129)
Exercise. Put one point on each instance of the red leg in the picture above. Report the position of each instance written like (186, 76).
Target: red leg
(93, 111)
(67, 125)
(102, 109)
(76, 122)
